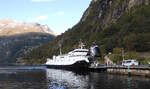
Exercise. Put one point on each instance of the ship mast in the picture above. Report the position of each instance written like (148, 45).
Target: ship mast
(60, 51)
(81, 44)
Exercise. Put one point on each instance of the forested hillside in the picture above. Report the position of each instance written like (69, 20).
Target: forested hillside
(112, 24)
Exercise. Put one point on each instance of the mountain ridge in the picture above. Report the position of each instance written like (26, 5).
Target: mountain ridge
(19, 38)
(11, 27)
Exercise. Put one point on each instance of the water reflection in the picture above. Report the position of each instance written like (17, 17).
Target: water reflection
(62, 79)
(31, 78)
(67, 79)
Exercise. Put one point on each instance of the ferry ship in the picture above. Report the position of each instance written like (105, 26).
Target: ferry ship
(75, 59)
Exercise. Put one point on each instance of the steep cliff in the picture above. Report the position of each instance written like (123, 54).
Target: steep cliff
(106, 12)
(111, 23)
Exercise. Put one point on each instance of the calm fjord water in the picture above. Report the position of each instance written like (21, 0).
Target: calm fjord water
(42, 78)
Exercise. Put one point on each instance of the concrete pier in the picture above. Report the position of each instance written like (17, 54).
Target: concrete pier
(133, 70)
(98, 69)
(124, 70)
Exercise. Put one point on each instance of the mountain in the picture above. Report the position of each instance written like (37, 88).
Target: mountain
(18, 38)
(10, 27)
(111, 24)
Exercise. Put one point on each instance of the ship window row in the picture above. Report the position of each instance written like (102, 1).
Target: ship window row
(64, 60)
(80, 51)
(76, 55)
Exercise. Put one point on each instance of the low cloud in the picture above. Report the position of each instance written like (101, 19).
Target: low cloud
(43, 0)
(40, 18)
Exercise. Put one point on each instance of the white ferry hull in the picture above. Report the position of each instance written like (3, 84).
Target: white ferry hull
(79, 65)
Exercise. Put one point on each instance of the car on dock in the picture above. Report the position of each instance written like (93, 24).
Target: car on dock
(130, 62)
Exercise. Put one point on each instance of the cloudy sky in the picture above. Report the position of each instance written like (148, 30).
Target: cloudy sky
(58, 14)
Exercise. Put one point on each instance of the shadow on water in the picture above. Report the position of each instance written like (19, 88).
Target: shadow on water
(22, 78)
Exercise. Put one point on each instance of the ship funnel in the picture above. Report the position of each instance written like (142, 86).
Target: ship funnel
(94, 50)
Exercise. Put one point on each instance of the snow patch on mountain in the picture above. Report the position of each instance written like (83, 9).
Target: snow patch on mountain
(12, 27)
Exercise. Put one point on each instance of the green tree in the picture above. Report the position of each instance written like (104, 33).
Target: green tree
(129, 42)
